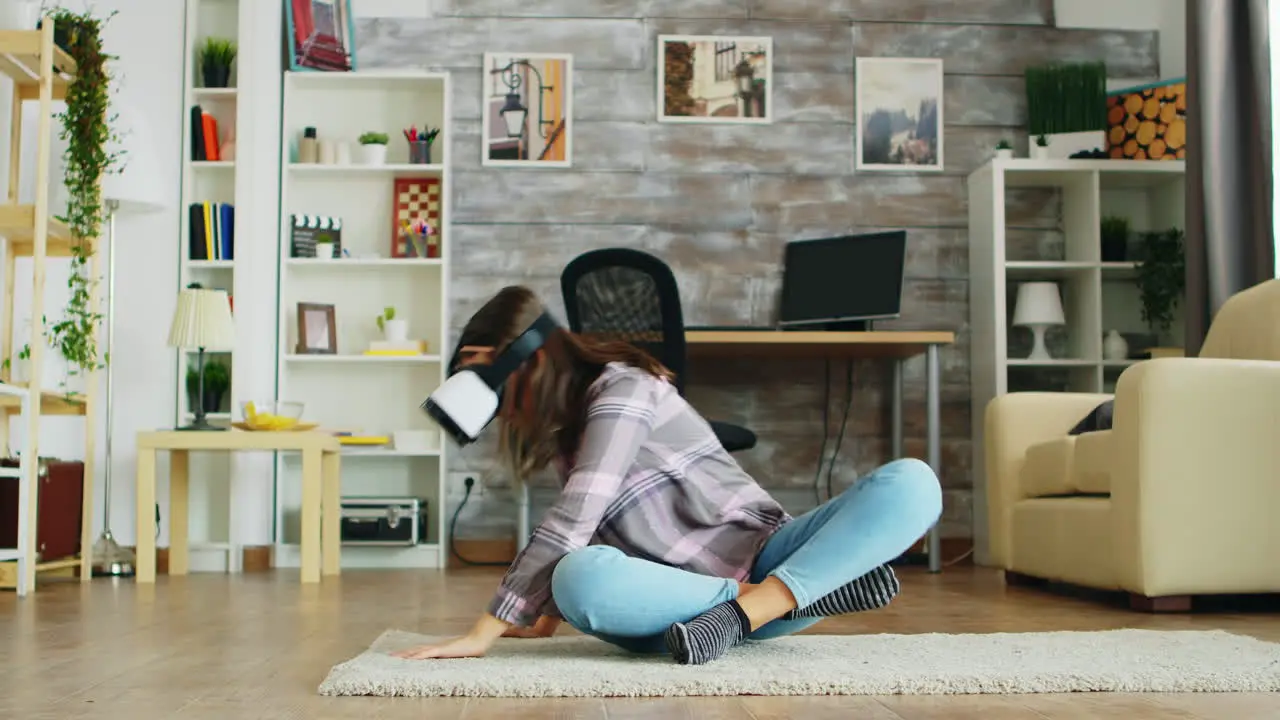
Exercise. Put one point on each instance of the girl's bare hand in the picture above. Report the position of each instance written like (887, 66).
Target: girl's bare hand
(459, 647)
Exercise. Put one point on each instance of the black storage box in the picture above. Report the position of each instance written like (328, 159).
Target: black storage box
(390, 521)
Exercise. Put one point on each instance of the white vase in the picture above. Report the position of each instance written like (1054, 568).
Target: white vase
(395, 331)
(1115, 347)
(373, 154)
(1004, 153)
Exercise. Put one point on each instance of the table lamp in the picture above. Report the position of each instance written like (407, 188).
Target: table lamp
(202, 321)
(136, 188)
(1039, 308)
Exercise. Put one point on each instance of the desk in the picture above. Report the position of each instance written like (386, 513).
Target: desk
(321, 469)
(895, 345)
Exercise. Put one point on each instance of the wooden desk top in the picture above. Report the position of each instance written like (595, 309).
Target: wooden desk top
(892, 344)
(236, 440)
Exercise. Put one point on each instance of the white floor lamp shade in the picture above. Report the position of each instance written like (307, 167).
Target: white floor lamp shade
(1039, 307)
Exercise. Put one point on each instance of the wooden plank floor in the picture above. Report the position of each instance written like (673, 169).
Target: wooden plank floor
(257, 646)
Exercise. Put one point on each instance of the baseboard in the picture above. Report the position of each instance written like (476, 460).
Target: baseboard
(215, 559)
(482, 551)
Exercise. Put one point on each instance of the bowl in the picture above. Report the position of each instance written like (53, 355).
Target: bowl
(271, 415)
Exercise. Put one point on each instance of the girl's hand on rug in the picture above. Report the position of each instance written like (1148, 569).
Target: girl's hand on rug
(460, 647)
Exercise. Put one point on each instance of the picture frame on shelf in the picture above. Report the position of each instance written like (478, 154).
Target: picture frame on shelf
(527, 113)
(899, 125)
(715, 79)
(317, 329)
(320, 35)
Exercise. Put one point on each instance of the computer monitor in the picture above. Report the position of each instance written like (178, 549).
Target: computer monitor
(842, 282)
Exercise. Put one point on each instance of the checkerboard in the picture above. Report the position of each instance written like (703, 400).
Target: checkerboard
(416, 199)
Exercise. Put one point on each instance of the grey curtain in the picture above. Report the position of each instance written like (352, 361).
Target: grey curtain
(1229, 186)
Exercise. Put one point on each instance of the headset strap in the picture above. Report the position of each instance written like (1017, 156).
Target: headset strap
(520, 350)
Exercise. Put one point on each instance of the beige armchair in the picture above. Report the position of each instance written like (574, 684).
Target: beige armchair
(1180, 498)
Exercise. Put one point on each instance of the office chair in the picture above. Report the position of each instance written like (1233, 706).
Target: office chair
(632, 295)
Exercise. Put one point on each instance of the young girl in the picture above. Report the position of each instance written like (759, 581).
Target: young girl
(659, 541)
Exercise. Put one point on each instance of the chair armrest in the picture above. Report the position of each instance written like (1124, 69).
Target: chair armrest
(1195, 484)
(1012, 423)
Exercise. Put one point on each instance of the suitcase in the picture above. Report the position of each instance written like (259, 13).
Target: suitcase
(386, 521)
(59, 509)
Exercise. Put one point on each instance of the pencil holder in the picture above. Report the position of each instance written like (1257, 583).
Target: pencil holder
(420, 152)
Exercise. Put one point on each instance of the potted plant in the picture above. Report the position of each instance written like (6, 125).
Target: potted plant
(1004, 149)
(1040, 149)
(1067, 104)
(373, 148)
(1115, 238)
(393, 330)
(87, 132)
(215, 62)
(1161, 281)
(217, 381)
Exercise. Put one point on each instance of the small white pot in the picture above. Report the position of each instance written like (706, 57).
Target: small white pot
(325, 250)
(1039, 153)
(373, 154)
(1004, 153)
(395, 331)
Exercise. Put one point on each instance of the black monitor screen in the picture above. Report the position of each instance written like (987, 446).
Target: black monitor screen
(855, 277)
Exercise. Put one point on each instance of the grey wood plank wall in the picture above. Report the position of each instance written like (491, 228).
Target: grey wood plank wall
(718, 202)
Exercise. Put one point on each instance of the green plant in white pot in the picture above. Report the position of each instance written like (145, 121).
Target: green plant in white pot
(393, 330)
(373, 148)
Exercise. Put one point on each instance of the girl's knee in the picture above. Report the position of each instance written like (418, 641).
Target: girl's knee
(917, 483)
(578, 576)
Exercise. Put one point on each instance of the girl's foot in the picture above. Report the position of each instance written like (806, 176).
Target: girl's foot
(869, 592)
(709, 635)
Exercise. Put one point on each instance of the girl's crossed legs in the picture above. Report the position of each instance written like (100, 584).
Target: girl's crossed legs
(632, 602)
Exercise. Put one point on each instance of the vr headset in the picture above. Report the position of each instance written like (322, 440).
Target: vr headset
(469, 399)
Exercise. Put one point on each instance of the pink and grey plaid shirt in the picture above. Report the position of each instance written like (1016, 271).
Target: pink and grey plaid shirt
(651, 479)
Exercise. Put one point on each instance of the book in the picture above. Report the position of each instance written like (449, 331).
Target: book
(211, 230)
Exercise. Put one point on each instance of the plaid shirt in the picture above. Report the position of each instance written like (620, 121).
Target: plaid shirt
(651, 479)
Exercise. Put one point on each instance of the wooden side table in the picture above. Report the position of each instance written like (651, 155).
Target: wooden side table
(321, 469)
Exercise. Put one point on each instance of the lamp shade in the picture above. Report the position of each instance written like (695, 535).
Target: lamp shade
(202, 320)
(1039, 303)
(135, 183)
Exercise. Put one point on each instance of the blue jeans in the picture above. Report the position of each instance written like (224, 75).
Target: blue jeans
(631, 602)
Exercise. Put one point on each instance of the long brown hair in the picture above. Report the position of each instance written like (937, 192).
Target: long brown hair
(544, 405)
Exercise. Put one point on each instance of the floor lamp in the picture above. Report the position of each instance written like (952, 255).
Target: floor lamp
(134, 190)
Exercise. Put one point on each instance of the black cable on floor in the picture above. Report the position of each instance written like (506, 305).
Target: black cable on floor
(844, 422)
(453, 527)
(826, 428)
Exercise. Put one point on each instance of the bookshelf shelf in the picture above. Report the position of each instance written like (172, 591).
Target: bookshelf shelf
(352, 207)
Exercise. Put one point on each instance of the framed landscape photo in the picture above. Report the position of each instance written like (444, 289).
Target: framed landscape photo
(317, 329)
(899, 114)
(527, 112)
(715, 79)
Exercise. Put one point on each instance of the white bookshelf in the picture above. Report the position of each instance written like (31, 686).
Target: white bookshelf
(213, 182)
(348, 390)
(1097, 296)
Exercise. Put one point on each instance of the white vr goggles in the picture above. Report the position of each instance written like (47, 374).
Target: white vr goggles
(468, 400)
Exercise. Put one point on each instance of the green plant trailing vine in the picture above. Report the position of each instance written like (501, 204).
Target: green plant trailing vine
(86, 129)
(1161, 278)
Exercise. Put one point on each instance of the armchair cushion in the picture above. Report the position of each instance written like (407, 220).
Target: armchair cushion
(1047, 470)
(1091, 463)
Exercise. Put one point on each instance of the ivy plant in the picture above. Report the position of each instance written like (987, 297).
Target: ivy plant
(86, 130)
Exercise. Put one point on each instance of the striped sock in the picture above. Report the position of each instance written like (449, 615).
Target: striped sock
(707, 636)
(869, 592)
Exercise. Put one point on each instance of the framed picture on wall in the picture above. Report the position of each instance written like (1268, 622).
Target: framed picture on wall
(317, 329)
(527, 118)
(715, 79)
(899, 114)
(320, 35)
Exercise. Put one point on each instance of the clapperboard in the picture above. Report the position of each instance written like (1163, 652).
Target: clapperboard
(310, 229)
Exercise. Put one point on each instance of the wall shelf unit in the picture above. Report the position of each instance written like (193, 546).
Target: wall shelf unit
(1097, 296)
(28, 58)
(348, 390)
(206, 254)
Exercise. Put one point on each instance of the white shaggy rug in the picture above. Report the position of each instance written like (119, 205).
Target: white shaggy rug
(1000, 663)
